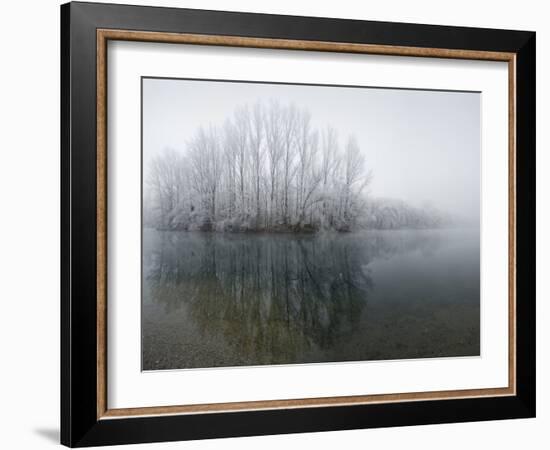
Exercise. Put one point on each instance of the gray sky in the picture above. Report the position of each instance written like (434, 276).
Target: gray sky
(422, 146)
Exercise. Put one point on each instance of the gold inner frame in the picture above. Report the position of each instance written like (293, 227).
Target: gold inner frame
(104, 35)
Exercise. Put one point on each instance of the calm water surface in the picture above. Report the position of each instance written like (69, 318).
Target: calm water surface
(214, 299)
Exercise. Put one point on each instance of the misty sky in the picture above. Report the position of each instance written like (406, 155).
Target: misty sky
(422, 146)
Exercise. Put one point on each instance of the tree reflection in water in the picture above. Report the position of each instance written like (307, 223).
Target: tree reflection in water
(222, 300)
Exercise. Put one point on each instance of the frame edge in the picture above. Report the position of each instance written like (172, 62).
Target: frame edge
(65, 187)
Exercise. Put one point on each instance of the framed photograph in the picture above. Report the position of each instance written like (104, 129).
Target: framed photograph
(276, 224)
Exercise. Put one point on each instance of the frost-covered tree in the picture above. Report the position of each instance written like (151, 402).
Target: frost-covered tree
(267, 168)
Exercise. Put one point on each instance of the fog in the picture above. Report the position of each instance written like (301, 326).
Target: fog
(422, 147)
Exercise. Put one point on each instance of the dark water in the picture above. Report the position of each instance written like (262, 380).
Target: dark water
(213, 299)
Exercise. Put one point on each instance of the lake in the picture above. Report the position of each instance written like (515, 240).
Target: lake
(221, 299)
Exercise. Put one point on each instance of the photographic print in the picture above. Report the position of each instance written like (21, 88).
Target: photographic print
(321, 227)
(297, 224)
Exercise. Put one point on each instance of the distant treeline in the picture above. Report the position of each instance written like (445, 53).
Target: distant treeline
(389, 214)
(268, 169)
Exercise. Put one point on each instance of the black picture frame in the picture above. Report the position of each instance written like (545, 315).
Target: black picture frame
(80, 425)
